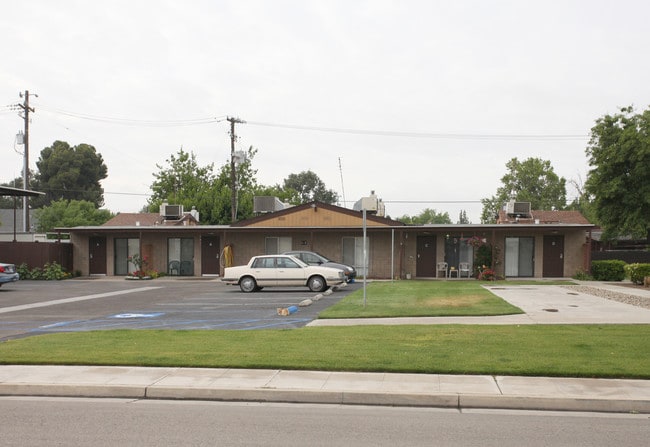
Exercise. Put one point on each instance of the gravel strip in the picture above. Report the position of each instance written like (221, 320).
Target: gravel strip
(611, 295)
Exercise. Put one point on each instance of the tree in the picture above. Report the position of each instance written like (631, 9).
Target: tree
(182, 182)
(619, 154)
(583, 201)
(462, 218)
(309, 187)
(71, 173)
(532, 180)
(427, 216)
(70, 213)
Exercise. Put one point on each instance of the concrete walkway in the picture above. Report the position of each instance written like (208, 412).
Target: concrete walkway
(340, 388)
(430, 390)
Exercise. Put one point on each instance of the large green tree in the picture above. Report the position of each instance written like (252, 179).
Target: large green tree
(532, 180)
(70, 173)
(309, 187)
(619, 179)
(182, 181)
(70, 213)
(427, 216)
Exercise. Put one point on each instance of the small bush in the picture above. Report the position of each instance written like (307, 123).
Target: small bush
(582, 276)
(610, 270)
(50, 271)
(636, 272)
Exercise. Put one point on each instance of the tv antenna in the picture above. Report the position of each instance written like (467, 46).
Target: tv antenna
(342, 187)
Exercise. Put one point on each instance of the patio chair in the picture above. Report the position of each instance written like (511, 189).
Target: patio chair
(463, 268)
(442, 267)
(174, 266)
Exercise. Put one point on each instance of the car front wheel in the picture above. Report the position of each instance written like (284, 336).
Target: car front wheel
(316, 284)
(247, 284)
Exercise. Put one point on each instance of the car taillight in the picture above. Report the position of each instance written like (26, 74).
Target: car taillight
(2, 269)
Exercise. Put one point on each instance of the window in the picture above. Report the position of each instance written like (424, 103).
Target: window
(277, 245)
(180, 252)
(353, 253)
(264, 263)
(125, 248)
(286, 263)
(519, 256)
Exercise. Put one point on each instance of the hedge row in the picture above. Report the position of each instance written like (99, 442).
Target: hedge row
(616, 270)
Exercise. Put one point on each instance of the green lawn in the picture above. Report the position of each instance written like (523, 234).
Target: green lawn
(421, 299)
(536, 350)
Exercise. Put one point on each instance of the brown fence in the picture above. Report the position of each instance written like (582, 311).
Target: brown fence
(36, 254)
(629, 256)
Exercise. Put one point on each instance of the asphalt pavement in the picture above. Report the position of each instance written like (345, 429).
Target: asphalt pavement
(430, 390)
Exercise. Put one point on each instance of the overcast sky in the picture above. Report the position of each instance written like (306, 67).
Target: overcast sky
(423, 102)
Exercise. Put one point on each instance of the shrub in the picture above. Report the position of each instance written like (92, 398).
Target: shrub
(582, 276)
(50, 271)
(636, 272)
(610, 270)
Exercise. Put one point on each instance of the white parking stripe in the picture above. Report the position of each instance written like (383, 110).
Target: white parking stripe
(72, 300)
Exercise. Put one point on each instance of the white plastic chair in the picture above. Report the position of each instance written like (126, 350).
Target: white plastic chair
(463, 268)
(442, 267)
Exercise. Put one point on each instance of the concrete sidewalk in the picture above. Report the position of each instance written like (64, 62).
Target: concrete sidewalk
(341, 388)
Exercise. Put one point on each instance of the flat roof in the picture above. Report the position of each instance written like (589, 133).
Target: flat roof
(16, 192)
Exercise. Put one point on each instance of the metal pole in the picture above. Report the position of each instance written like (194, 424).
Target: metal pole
(365, 259)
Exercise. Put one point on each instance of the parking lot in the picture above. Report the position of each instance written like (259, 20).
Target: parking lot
(37, 307)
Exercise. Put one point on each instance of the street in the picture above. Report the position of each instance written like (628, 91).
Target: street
(34, 421)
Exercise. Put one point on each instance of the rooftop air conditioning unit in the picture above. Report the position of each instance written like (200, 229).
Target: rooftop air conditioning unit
(171, 211)
(267, 204)
(519, 209)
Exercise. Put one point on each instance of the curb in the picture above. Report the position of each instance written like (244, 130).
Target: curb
(440, 400)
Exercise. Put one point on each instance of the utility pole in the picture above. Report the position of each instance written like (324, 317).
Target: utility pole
(26, 108)
(233, 174)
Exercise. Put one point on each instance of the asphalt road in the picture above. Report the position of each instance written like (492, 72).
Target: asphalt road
(38, 307)
(109, 422)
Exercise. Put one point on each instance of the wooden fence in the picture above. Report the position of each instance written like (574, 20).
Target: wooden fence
(36, 254)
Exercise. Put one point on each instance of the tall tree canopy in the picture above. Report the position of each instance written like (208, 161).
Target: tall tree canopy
(309, 187)
(184, 182)
(181, 182)
(619, 155)
(427, 216)
(532, 180)
(70, 213)
(70, 173)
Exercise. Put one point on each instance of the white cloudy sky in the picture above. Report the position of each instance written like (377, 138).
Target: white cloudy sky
(437, 95)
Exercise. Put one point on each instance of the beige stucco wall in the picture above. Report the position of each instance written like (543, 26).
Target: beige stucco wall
(385, 258)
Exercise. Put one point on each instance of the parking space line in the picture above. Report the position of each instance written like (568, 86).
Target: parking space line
(73, 300)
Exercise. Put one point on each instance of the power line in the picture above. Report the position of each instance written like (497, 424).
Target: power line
(135, 122)
(435, 135)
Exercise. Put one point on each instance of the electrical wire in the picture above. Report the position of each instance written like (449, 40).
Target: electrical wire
(134, 122)
(451, 136)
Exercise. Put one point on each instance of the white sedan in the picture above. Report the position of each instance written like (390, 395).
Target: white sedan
(281, 270)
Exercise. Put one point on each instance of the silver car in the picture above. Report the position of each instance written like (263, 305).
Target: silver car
(8, 273)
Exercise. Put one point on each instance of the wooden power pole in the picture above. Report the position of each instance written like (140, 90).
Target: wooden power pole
(233, 167)
(26, 109)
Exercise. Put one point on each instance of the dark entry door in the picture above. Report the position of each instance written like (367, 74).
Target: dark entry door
(210, 255)
(97, 255)
(426, 261)
(553, 257)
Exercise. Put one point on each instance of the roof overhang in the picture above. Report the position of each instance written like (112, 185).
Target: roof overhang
(16, 192)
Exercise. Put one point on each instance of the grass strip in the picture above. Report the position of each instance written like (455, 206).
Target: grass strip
(607, 351)
(421, 299)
